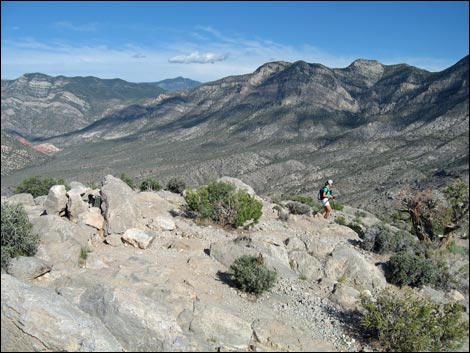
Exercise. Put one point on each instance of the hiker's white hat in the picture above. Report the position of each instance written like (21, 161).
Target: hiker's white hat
(330, 181)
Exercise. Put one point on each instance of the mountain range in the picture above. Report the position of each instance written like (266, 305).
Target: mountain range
(285, 128)
(177, 84)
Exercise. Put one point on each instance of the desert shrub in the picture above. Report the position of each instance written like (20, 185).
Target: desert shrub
(335, 205)
(456, 249)
(409, 323)
(84, 251)
(252, 275)
(219, 202)
(381, 239)
(38, 185)
(296, 207)
(176, 185)
(340, 220)
(357, 228)
(417, 269)
(304, 199)
(127, 179)
(313, 203)
(150, 184)
(18, 238)
(247, 208)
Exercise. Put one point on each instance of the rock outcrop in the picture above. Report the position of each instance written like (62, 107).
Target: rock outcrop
(164, 284)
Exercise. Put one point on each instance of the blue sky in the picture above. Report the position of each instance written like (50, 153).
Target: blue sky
(151, 41)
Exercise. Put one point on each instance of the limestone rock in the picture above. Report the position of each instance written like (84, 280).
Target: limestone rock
(56, 201)
(138, 238)
(37, 319)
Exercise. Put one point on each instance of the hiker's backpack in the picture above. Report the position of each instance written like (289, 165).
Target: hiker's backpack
(320, 194)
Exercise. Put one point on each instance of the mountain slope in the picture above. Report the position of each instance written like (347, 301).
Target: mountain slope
(287, 127)
(17, 155)
(37, 105)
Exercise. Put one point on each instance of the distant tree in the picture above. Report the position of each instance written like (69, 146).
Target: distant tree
(38, 185)
(176, 185)
(127, 179)
(433, 220)
(150, 184)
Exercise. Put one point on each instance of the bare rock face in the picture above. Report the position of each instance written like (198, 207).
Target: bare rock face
(272, 335)
(350, 266)
(27, 267)
(138, 323)
(37, 319)
(213, 323)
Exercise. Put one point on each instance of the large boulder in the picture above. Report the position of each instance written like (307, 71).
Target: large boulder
(138, 238)
(92, 217)
(351, 268)
(75, 203)
(23, 198)
(274, 252)
(60, 241)
(27, 267)
(239, 185)
(56, 202)
(37, 319)
(154, 211)
(118, 205)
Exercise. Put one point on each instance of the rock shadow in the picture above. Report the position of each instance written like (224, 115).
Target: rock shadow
(225, 278)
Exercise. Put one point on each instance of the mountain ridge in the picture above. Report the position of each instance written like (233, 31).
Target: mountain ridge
(287, 126)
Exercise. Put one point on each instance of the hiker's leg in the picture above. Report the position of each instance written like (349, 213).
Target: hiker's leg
(328, 211)
(325, 210)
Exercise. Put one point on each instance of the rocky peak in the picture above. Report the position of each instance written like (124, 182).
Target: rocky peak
(266, 70)
(367, 67)
(371, 69)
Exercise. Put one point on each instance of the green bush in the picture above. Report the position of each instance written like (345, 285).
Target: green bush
(296, 207)
(251, 274)
(408, 323)
(416, 270)
(150, 184)
(335, 205)
(357, 228)
(381, 239)
(127, 179)
(219, 202)
(313, 203)
(38, 185)
(247, 208)
(176, 185)
(17, 236)
(304, 199)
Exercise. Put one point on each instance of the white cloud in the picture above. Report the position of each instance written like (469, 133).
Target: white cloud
(196, 57)
(87, 27)
(228, 55)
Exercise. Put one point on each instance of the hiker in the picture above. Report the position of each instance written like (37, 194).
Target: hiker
(326, 195)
